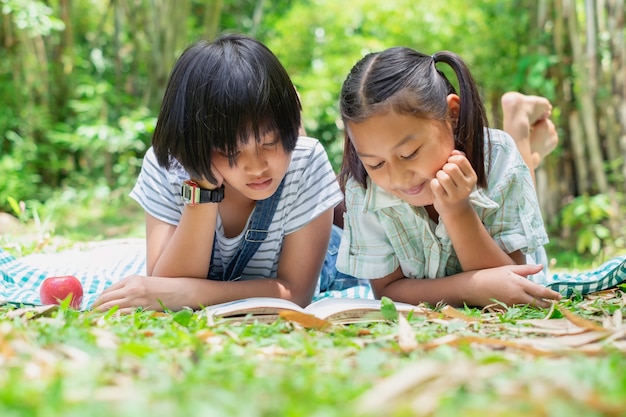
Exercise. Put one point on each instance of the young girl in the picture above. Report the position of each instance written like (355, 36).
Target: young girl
(225, 149)
(431, 192)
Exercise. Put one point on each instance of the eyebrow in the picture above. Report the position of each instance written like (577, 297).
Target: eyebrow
(404, 140)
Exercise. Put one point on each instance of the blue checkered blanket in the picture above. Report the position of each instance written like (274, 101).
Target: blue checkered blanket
(106, 263)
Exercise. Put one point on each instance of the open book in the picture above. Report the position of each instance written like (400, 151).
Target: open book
(334, 310)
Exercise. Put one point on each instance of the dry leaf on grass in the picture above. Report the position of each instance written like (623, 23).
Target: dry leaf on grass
(550, 337)
(406, 335)
(32, 312)
(494, 343)
(453, 313)
(579, 321)
(555, 327)
(422, 385)
(307, 321)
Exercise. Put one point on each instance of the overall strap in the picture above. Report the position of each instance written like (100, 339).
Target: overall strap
(255, 234)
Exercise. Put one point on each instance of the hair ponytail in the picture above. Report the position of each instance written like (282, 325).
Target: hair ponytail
(469, 133)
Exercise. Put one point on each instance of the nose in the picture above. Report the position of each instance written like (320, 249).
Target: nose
(398, 176)
(255, 162)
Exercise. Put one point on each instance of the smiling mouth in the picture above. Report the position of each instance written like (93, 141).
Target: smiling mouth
(414, 190)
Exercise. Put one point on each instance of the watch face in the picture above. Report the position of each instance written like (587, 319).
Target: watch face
(189, 193)
(186, 191)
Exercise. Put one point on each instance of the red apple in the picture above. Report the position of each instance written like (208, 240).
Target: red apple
(53, 290)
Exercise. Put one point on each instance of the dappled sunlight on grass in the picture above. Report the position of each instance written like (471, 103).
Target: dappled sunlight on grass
(438, 362)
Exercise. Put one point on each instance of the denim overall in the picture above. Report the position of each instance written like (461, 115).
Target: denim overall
(330, 278)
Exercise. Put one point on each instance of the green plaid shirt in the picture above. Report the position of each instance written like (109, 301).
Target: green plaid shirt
(383, 232)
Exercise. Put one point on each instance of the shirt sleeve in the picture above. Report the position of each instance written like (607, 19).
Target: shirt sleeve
(313, 185)
(158, 191)
(517, 223)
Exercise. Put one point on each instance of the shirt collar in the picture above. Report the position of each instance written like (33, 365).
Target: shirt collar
(376, 198)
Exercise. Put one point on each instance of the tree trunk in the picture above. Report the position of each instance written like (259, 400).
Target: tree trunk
(577, 142)
(615, 15)
(212, 17)
(165, 19)
(586, 102)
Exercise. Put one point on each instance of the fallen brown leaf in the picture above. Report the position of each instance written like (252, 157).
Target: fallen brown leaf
(308, 321)
(580, 321)
(453, 313)
(406, 335)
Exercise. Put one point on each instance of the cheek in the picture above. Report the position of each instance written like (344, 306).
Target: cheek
(379, 178)
(279, 158)
(221, 164)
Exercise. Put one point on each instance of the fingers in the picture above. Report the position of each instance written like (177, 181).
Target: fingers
(108, 299)
(514, 287)
(525, 269)
(541, 295)
(456, 178)
(535, 294)
(115, 295)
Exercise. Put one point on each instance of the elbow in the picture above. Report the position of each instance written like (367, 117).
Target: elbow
(381, 290)
(301, 296)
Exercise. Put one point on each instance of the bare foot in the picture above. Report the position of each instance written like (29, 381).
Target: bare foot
(524, 118)
(543, 138)
(534, 108)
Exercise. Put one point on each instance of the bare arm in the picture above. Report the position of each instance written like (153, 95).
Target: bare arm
(472, 243)
(183, 250)
(299, 267)
(507, 284)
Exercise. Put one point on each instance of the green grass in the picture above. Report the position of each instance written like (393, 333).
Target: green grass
(71, 363)
(152, 364)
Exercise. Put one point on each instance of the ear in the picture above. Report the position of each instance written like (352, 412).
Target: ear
(454, 106)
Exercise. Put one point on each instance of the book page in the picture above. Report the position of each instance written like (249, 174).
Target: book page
(343, 309)
(254, 305)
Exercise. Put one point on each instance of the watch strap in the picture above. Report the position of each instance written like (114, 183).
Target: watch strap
(211, 196)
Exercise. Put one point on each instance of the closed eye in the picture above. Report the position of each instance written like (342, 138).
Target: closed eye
(375, 167)
(411, 156)
(230, 156)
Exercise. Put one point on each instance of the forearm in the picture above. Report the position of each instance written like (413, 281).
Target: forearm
(187, 253)
(507, 284)
(474, 246)
(452, 290)
(198, 293)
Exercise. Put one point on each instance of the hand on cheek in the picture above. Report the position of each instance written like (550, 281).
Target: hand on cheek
(453, 183)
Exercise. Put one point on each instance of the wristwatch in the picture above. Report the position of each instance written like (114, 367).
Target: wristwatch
(192, 194)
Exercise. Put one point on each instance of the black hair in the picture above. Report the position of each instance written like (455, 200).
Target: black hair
(403, 80)
(219, 94)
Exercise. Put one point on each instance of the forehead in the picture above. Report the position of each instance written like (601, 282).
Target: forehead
(390, 129)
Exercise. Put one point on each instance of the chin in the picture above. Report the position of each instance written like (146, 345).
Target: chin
(417, 201)
(261, 194)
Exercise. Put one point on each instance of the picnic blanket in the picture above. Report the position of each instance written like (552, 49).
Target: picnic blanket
(101, 265)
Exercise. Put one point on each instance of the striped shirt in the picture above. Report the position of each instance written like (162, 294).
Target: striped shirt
(310, 189)
(383, 233)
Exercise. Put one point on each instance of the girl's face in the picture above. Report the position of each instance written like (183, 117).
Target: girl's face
(402, 153)
(259, 167)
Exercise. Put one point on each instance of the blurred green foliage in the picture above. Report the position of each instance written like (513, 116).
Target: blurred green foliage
(80, 81)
